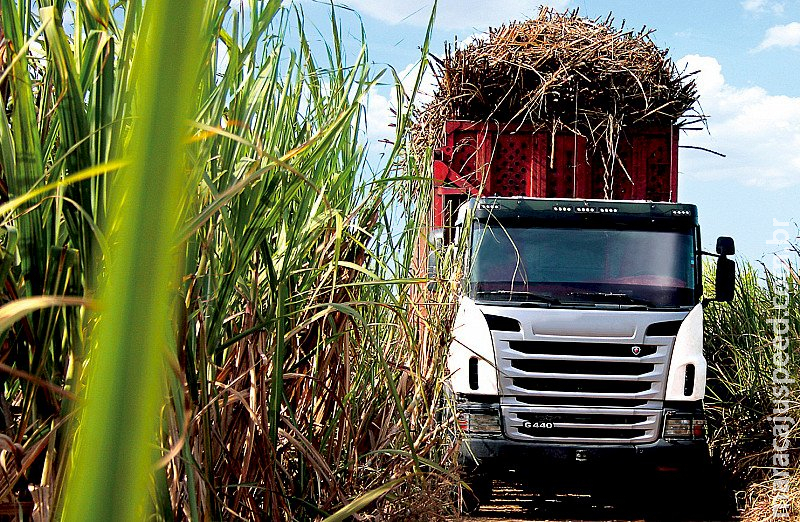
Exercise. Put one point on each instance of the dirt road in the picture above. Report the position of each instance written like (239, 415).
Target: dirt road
(513, 504)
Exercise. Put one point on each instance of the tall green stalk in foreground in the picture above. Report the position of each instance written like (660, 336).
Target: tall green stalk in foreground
(301, 383)
(114, 449)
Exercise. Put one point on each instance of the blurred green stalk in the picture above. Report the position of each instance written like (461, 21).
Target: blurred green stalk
(115, 444)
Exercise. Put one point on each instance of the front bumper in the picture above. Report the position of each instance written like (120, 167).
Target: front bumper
(547, 463)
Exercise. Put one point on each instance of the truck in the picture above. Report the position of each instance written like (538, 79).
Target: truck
(576, 355)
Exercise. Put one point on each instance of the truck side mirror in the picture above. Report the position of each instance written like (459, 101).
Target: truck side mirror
(726, 278)
(433, 270)
(725, 246)
(436, 240)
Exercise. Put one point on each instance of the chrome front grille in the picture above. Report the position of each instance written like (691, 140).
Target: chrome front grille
(611, 371)
(564, 389)
(597, 352)
(548, 366)
(581, 424)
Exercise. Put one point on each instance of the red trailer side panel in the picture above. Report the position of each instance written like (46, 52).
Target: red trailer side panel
(522, 160)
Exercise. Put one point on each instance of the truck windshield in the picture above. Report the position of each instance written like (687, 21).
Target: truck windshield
(569, 266)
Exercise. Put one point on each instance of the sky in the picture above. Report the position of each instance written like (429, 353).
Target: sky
(747, 53)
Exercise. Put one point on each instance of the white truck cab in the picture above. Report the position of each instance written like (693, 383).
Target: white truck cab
(578, 341)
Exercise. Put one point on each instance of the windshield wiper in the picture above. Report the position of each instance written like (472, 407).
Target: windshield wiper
(612, 297)
(528, 296)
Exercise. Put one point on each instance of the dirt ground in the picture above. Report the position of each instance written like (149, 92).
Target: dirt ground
(514, 504)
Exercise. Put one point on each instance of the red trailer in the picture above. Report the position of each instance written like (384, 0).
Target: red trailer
(487, 159)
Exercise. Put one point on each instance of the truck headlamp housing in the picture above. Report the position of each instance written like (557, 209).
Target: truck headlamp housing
(682, 426)
(483, 423)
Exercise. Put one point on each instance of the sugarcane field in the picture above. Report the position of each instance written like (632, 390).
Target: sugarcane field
(420, 260)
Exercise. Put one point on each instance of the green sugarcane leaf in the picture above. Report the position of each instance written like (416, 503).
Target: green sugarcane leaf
(113, 455)
(28, 159)
(12, 312)
(364, 500)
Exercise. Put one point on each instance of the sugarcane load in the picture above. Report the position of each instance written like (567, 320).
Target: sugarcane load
(577, 347)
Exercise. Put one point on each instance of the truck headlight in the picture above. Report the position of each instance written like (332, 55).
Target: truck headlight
(684, 426)
(479, 423)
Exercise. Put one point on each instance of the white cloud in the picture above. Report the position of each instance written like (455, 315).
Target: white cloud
(781, 36)
(427, 86)
(758, 132)
(381, 115)
(379, 119)
(473, 38)
(761, 6)
(452, 14)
